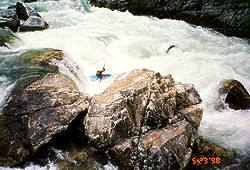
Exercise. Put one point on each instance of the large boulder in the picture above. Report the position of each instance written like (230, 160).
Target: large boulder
(34, 23)
(234, 94)
(34, 114)
(146, 120)
(229, 17)
(8, 18)
(42, 103)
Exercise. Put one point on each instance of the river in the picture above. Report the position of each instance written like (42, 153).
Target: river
(93, 37)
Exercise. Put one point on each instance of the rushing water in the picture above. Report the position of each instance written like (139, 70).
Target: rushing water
(121, 41)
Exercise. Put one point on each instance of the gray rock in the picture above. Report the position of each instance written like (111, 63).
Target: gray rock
(140, 109)
(33, 23)
(24, 11)
(8, 18)
(229, 17)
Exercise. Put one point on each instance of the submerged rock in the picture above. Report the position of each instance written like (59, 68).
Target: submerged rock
(234, 94)
(6, 37)
(229, 17)
(34, 23)
(8, 18)
(147, 120)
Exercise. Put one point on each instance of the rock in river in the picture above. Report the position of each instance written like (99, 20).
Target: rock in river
(234, 94)
(146, 119)
(24, 11)
(33, 23)
(37, 110)
(215, 156)
(8, 18)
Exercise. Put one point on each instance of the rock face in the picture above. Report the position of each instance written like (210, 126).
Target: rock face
(147, 120)
(33, 23)
(8, 18)
(229, 17)
(41, 105)
(234, 94)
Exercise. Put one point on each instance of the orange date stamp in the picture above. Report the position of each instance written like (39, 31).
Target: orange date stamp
(206, 161)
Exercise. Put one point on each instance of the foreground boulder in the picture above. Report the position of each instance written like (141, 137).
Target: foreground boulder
(42, 104)
(228, 17)
(34, 23)
(33, 115)
(8, 18)
(147, 120)
(234, 94)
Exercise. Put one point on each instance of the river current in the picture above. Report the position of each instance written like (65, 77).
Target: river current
(92, 37)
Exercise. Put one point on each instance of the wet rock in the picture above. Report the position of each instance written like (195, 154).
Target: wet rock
(8, 18)
(142, 113)
(234, 94)
(34, 23)
(28, 1)
(229, 17)
(216, 156)
(37, 110)
(45, 57)
(24, 11)
(6, 37)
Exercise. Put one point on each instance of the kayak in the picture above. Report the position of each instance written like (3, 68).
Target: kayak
(104, 76)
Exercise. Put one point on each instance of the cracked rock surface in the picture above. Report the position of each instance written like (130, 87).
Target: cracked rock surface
(33, 115)
(146, 120)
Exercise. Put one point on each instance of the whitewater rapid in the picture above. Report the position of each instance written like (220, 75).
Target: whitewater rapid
(122, 42)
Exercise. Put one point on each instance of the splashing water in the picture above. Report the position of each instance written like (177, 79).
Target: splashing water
(123, 42)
